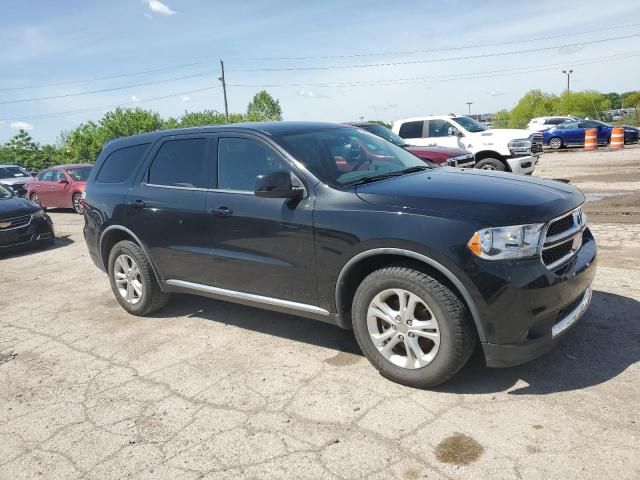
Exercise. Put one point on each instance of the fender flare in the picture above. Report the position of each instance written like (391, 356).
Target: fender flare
(137, 240)
(424, 259)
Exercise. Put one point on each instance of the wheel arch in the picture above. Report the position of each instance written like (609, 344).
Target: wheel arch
(481, 155)
(114, 234)
(364, 263)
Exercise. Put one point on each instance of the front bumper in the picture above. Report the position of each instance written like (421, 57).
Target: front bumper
(528, 307)
(37, 230)
(522, 165)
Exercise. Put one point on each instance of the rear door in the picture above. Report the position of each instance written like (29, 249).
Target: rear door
(43, 187)
(59, 192)
(413, 132)
(166, 206)
(263, 246)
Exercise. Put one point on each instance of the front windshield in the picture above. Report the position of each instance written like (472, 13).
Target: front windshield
(384, 132)
(346, 155)
(4, 193)
(470, 125)
(12, 172)
(79, 174)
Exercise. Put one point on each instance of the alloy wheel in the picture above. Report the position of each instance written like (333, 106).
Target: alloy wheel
(126, 274)
(555, 143)
(488, 167)
(77, 203)
(403, 328)
(35, 199)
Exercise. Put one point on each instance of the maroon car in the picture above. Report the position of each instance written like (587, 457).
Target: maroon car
(441, 156)
(60, 186)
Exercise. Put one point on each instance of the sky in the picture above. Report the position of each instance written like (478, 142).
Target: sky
(327, 60)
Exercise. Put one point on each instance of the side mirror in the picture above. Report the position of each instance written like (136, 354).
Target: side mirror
(63, 181)
(276, 185)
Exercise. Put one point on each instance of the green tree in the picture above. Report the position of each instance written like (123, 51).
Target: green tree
(534, 103)
(263, 107)
(615, 99)
(21, 149)
(199, 119)
(588, 103)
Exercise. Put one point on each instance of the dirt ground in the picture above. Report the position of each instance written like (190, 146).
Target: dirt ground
(212, 390)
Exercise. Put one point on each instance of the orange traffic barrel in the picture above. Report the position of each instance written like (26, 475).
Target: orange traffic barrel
(617, 137)
(590, 139)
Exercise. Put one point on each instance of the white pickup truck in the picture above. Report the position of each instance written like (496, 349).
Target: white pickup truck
(509, 150)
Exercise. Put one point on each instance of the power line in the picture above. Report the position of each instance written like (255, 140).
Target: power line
(104, 90)
(95, 79)
(114, 105)
(452, 76)
(448, 49)
(432, 60)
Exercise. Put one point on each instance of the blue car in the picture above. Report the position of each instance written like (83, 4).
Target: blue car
(572, 133)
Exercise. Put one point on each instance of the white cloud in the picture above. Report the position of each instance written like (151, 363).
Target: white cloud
(312, 94)
(158, 7)
(185, 98)
(17, 125)
(148, 15)
(135, 99)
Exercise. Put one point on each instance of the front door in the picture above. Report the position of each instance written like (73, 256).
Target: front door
(443, 134)
(43, 187)
(263, 246)
(166, 207)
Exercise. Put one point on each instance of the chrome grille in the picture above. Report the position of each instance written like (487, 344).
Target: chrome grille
(563, 238)
(536, 143)
(16, 222)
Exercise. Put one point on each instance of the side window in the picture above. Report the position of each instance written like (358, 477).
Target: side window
(411, 129)
(590, 124)
(439, 128)
(119, 165)
(181, 163)
(241, 160)
(45, 176)
(57, 176)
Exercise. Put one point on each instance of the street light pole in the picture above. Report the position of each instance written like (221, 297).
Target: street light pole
(469, 105)
(568, 74)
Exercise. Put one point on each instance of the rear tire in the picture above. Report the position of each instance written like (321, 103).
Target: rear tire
(76, 202)
(434, 319)
(491, 164)
(556, 143)
(132, 280)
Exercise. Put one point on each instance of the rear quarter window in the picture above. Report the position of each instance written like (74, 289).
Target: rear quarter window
(120, 164)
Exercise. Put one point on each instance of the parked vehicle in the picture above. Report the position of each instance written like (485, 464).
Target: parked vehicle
(572, 133)
(441, 156)
(516, 151)
(539, 124)
(59, 187)
(419, 261)
(22, 223)
(15, 177)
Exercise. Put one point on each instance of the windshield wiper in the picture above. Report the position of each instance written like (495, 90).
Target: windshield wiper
(382, 176)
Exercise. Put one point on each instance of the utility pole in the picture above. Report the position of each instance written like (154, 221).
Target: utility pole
(224, 91)
(469, 105)
(568, 74)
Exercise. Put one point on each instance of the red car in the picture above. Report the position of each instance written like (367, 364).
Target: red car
(441, 156)
(60, 186)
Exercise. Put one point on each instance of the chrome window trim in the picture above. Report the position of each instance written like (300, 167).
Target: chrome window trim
(251, 297)
(175, 187)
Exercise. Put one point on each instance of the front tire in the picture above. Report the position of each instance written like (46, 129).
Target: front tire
(491, 164)
(411, 327)
(133, 281)
(556, 143)
(36, 199)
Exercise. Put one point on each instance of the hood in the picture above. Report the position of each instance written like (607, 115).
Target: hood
(14, 180)
(16, 206)
(507, 133)
(492, 198)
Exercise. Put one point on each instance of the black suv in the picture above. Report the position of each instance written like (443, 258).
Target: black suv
(333, 223)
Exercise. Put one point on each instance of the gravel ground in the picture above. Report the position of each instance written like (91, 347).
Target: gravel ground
(212, 390)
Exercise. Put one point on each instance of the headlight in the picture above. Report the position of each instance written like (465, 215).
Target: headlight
(464, 158)
(500, 243)
(520, 146)
(38, 214)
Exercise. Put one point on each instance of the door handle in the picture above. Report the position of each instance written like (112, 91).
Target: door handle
(138, 204)
(222, 211)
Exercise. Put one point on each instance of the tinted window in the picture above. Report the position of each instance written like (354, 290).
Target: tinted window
(439, 128)
(383, 132)
(593, 124)
(119, 165)
(555, 121)
(568, 125)
(411, 129)
(79, 174)
(241, 160)
(8, 172)
(181, 163)
(46, 176)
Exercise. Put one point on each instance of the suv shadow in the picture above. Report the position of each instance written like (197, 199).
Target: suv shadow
(585, 358)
